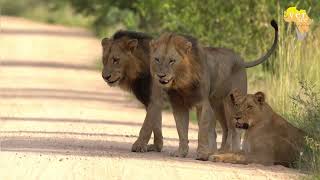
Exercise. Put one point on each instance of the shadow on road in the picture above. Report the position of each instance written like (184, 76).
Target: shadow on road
(46, 32)
(87, 147)
(59, 133)
(64, 91)
(38, 93)
(35, 96)
(104, 148)
(51, 64)
(73, 120)
(63, 145)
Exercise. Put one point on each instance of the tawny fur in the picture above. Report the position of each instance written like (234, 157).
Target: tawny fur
(269, 138)
(201, 77)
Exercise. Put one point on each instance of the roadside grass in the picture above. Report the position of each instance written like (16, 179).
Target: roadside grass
(305, 114)
(294, 61)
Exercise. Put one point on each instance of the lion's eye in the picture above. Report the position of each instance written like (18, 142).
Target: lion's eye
(157, 60)
(115, 60)
(249, 107)
(172, 61)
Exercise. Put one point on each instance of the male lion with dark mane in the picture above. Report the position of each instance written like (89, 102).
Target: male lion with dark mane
(269, 138)
(201, 77)
(126, 64)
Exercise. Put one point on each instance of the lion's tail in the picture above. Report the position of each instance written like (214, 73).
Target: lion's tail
(270, 51)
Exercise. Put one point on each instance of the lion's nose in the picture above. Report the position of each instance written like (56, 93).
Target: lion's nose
(161, 75)
(237, 118)
(106, 77)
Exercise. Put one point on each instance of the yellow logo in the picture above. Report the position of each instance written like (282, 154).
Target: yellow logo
(299, 18)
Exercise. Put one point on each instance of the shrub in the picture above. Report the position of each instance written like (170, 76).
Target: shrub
(305, 114)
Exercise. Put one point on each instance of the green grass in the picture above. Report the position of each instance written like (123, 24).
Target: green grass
(295, 61)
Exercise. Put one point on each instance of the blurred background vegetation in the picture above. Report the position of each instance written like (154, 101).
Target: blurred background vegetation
(242, 25)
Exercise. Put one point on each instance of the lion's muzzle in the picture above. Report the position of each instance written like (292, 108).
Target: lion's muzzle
(242, 125)
(164, 79)
(111, 80)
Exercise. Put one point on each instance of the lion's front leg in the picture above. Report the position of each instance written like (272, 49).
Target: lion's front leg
(157, 133)
(204, 123)
(235, 158)
(152, 122)
(140, 145)
(233, 141)
(212, 136)
(181, 117)
(153, 117)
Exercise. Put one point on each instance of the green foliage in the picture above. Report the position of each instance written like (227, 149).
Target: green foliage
(217, 23)
(16, 8)
(193, 116)
(242, 25)
(50, 11)
(305, 114)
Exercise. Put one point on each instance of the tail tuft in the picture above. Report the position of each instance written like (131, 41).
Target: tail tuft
(274, 24)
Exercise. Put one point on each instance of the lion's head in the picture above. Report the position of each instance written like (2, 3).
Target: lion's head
(120, 62)
(249, 110)
(172, 60)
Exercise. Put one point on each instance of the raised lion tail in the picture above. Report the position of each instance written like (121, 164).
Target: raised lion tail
(270, 51)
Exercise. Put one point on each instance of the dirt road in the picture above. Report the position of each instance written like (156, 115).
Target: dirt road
(59, 120)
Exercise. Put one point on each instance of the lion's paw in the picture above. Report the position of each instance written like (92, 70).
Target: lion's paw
(154, 147)
(215, 158)
(202, 156)
(181, 152)
(139, 147)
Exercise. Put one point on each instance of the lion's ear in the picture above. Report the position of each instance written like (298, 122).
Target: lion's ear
(188, 46)
(132, 44)
(260, 97)
(152, 44)
(233, 99)
(235, 95)
(105, 41)
(183, 43)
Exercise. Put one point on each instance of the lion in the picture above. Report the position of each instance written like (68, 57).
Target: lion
(126, 65)
(201, 77)
(269, 139)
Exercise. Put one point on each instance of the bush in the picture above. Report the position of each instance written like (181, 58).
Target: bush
(305, 114)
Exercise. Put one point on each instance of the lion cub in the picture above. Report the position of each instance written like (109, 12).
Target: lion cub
(269, 138)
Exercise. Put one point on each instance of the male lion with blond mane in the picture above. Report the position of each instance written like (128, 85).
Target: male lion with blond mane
(269, 138)
(201, 77)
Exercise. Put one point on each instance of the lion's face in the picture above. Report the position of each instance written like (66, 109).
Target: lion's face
(118, 60)
(248, 108)
(169, 59)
